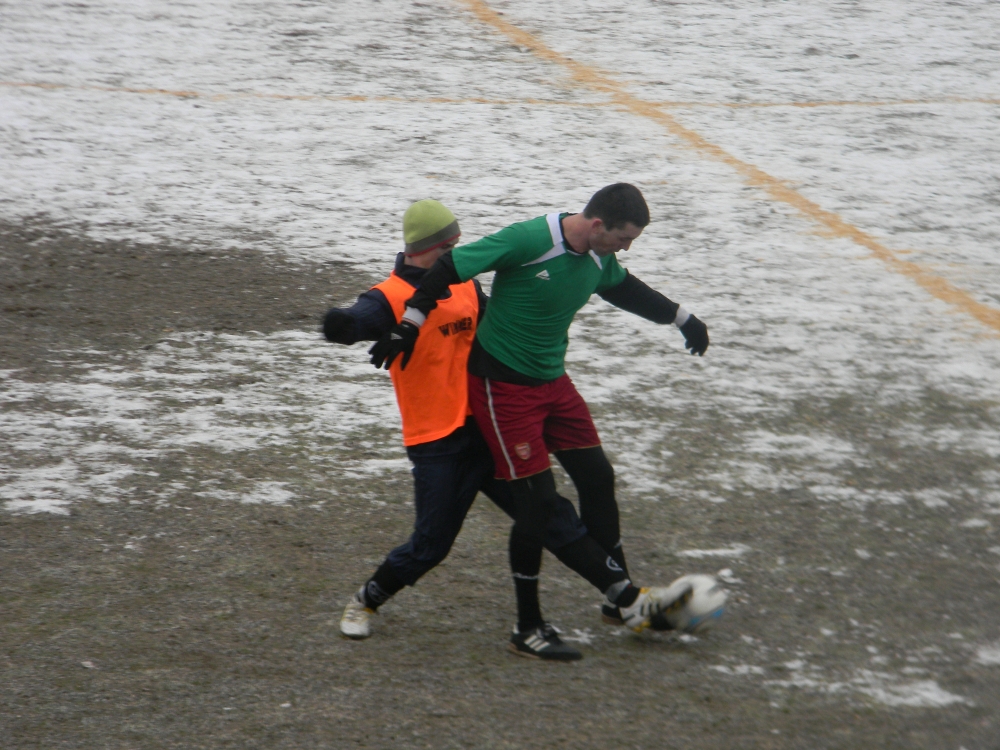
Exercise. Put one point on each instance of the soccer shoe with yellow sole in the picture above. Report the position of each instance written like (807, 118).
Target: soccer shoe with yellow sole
(355, 623)
(542, 642)
(612, 616)
(650, 609)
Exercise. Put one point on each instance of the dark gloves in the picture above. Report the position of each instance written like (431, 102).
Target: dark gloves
(400, 339)
(695, 335)
(338, 326)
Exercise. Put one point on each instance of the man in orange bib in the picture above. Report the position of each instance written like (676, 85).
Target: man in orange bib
(451, 461)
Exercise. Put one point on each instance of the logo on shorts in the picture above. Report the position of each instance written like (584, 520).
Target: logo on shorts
(612, 565)
(523, 451)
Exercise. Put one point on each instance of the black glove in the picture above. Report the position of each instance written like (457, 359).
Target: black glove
(338, 326)
(400, 339)
(695, 335)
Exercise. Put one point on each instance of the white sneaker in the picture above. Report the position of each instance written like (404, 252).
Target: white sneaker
(652, 602)
(355, 622)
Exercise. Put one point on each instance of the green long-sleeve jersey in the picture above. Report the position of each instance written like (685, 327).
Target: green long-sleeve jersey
(540, 283)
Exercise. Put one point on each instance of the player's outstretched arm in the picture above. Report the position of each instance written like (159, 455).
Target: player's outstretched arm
(402, 337)
(636, 297)
(366, 320)
(339, 326)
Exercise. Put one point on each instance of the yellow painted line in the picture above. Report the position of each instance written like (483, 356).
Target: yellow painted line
(597, 80)
(183, 94)
(58, 86)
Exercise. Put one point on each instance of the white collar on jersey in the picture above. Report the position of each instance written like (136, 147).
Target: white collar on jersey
(558, 244)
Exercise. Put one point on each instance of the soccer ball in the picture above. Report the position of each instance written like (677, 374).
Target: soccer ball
(707, 603)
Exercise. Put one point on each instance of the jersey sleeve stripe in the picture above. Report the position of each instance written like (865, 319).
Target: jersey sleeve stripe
(555, 229)
(548, 255)
(557, 248)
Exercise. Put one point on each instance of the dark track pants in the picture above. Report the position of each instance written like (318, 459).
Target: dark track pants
(447, 475)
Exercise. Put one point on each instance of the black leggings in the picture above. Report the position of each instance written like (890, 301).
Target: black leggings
(535, 498)
(534, 502)
(594, 478)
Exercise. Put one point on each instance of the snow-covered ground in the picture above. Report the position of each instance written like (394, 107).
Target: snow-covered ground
(306, 129)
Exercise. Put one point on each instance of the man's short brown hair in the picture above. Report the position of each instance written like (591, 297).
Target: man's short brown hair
(617, 205)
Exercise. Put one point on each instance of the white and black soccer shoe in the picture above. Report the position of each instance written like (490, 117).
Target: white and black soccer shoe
(651, 609)
(542, 642)
(612, 615)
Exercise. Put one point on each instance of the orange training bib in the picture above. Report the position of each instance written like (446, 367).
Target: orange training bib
(432, 392)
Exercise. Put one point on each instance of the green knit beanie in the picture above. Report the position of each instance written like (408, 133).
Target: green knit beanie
(426, 225)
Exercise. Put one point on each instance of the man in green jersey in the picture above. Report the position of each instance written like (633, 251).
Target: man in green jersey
(526, 406)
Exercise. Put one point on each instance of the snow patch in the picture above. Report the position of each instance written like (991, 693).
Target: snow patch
(882, 687)
(271, 493)
(735, 550)
(988, 655)
(975, 523)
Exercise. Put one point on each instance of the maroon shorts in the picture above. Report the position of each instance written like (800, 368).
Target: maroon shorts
(522, 424)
